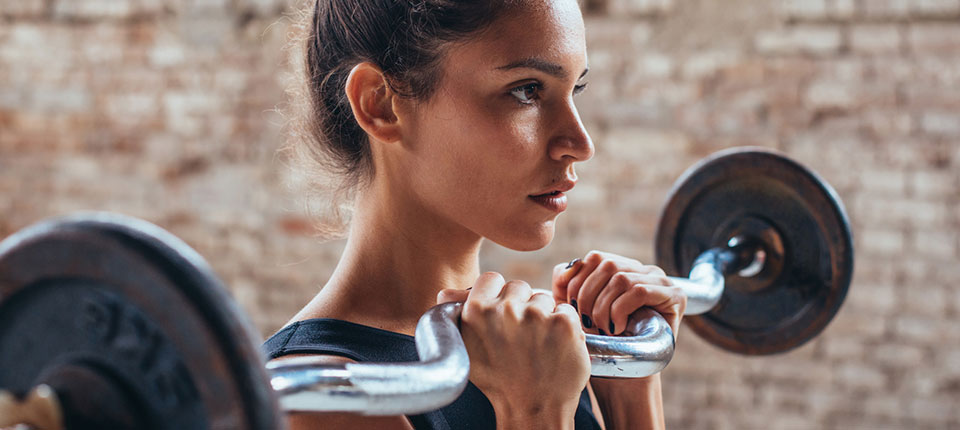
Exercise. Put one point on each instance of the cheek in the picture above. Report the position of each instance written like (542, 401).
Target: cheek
(483, 147)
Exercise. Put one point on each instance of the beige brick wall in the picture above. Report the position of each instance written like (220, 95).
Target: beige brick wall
(165, 110)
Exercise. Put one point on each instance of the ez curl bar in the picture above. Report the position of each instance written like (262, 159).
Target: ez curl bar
(111, 322)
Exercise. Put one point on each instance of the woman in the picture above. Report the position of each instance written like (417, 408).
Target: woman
(451, 122)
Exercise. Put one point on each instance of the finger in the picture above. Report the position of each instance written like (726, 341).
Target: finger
(655, 270)
(487, 287)
(668, 301)
(516, 291)
(562, 273)
(592, 286)
(587, 265)
(603, 314)
(568, 313)
(618, 284)
(542, 304)
(452, 295)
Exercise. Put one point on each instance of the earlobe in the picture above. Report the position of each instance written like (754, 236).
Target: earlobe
(372, 101)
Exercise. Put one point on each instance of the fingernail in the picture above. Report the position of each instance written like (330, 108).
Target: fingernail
(586, 321)
(613, 329)
(572, 262)
(602, 333)
(573, 302)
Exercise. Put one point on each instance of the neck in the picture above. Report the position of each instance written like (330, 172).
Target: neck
(397, 258)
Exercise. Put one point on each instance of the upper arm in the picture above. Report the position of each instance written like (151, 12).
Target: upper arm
(336, 420)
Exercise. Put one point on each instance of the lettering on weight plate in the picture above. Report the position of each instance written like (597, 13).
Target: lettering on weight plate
(99, 319)
(173, 385)
(127, 334)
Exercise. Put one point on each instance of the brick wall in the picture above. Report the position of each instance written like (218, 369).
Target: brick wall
(165, 110)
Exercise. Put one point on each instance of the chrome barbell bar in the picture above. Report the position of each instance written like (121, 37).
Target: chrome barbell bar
(307, 384)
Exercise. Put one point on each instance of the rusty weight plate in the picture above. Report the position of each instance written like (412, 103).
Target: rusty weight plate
(130, 327)
(800, 222)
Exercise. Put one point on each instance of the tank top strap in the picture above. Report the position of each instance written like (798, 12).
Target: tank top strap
(330, 336)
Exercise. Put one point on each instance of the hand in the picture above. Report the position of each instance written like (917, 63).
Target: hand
(527, 353)
(606, 288)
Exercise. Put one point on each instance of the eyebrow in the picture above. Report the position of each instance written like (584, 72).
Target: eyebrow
(552, 69)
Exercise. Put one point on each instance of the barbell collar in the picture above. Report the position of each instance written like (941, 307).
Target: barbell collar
(704, 286)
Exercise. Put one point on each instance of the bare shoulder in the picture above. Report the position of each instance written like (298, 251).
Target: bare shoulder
(312, 420)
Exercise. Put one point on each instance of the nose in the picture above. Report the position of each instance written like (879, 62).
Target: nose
(570, 138)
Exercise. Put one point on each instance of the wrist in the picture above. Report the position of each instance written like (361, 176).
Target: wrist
(625, 385)
(535, 415)
(630, 403)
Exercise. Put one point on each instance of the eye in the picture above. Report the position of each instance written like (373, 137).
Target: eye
(526, 94)
(577, 89)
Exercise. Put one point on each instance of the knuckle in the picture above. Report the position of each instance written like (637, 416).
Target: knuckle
(608, 266)
(640, 290)
(519, 284)
(564, 322)
(491, 276)
(656, 270)
(593, 256)
(620, 279)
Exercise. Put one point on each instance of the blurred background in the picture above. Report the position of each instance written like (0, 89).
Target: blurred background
(168, 110)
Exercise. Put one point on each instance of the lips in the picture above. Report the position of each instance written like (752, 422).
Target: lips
(556, 189)
(554, 202)
(554, 198)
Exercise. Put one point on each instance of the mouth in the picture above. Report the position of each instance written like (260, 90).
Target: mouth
(555, 201)
(554, 193)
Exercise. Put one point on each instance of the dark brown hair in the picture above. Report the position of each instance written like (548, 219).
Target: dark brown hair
(405, 38)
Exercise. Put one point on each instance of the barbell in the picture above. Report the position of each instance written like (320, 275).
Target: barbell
(108, 321)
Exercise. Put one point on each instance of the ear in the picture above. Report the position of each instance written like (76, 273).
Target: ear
(371, 100)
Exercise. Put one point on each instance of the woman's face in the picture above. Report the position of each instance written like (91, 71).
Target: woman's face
(502, 127)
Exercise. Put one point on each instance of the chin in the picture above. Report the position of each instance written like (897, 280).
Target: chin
(529, 239)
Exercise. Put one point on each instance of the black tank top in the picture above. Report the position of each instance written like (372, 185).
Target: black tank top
(472, 410)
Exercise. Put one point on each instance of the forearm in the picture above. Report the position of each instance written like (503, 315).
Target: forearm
(630, 403)
(534, 417)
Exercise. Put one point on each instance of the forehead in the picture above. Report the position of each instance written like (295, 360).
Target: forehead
(550, 31)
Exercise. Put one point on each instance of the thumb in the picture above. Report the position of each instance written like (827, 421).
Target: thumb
(452, 295)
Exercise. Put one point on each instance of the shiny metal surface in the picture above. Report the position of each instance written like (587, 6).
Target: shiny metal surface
(646, 351)
(704, 286)
(437, 380)
(306, 384)
(649, 346)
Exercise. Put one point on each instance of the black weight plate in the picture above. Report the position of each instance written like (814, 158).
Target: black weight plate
(130, 327)
(801, 222)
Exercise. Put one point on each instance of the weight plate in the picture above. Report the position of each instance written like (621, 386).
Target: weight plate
(130, 327)
(802, 226)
